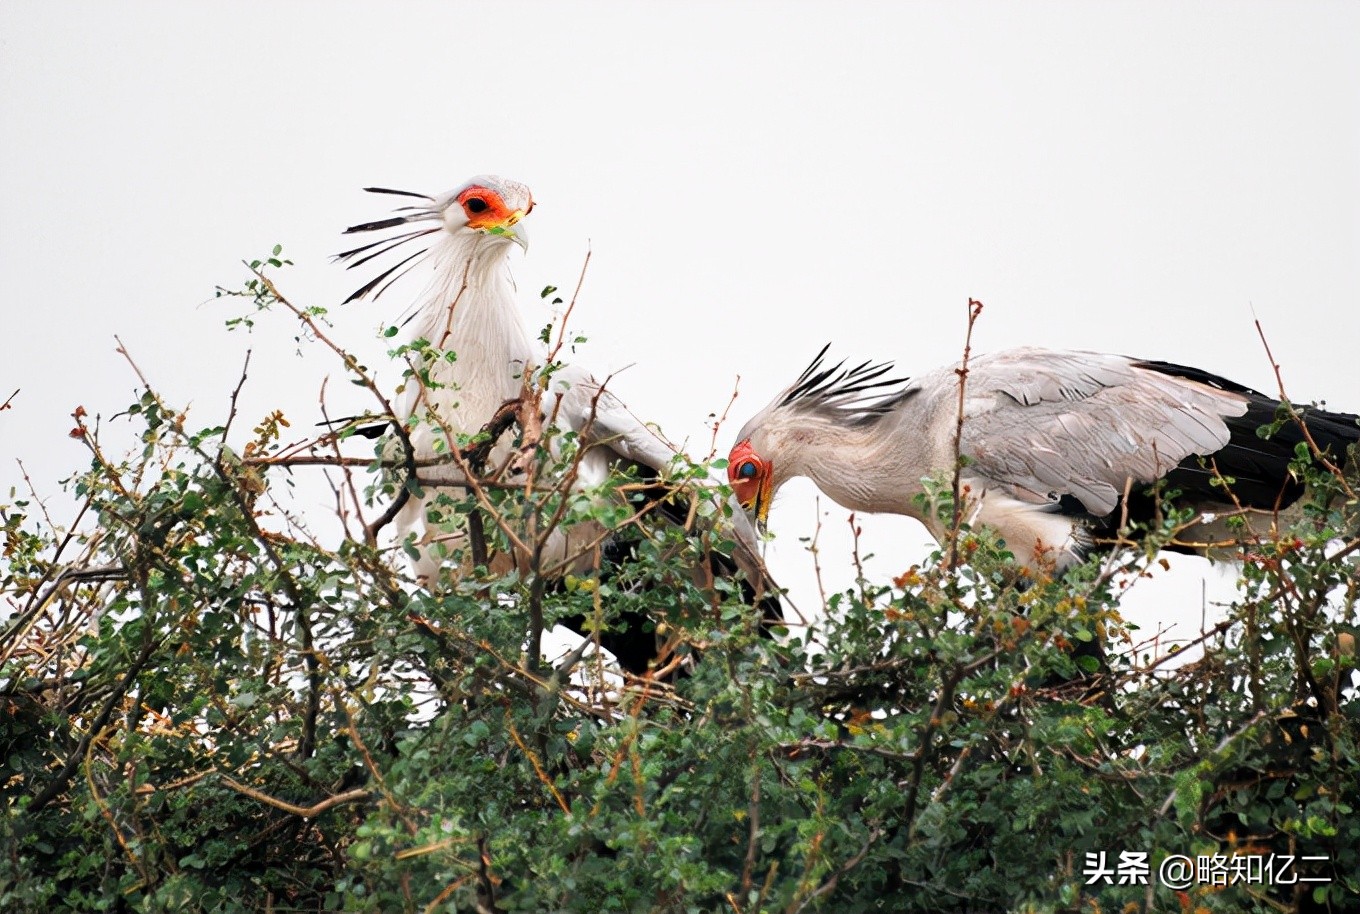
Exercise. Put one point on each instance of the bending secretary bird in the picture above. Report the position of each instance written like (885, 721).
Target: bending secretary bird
(468, 309)
(1052, 441)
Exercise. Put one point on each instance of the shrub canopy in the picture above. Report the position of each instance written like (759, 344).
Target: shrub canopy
(206, 707)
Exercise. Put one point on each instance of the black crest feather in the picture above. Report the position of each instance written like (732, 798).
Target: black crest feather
(374, 249)
(859, 395)
(398, 193)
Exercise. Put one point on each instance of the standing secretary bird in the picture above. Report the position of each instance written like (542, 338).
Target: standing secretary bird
(468, 311)
(1052, 441)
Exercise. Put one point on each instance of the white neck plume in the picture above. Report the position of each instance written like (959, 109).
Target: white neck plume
(469, 309)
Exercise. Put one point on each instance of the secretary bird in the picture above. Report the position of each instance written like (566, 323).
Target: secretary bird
(468, 309)
(1052, 440)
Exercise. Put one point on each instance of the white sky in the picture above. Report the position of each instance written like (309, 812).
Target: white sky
(754, 179)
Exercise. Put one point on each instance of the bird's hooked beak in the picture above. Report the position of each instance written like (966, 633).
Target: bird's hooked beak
(760, 503)
(511, 227)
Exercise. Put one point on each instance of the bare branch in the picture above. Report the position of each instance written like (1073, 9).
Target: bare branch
(1299, 420)
(974, 312)
(303, 812)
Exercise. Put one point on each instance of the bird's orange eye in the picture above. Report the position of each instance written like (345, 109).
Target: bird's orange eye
(483, 209)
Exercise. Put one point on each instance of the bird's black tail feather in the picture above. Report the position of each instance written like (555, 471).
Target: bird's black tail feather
(1258, 465)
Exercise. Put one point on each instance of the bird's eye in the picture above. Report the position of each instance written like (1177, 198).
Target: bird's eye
(747, 470)
(475, 205)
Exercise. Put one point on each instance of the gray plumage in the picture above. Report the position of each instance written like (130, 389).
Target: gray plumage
(1046, 424)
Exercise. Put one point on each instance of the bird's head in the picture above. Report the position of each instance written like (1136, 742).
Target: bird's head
(487, 212)
(491, 206)
(751, 476)
(789, 436)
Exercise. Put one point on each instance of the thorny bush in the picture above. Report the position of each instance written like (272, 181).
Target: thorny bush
(203, 707)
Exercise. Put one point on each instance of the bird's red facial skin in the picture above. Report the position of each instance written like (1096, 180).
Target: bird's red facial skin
(747, 473)
(486, 210)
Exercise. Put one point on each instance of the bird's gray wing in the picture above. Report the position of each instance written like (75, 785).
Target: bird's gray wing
(577, 402)
(1048, 423)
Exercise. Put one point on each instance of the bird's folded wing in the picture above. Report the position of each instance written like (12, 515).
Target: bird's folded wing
(579, 403)
(1049, 424)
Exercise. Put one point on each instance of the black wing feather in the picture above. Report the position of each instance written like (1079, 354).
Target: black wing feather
(1259, 467)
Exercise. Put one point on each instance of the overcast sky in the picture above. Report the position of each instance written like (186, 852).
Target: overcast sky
(753, 180)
